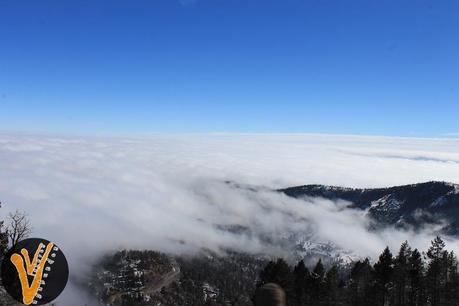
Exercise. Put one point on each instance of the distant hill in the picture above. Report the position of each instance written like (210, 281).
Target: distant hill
(408, 205)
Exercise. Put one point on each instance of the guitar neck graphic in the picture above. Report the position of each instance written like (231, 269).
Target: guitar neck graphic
(25, 268)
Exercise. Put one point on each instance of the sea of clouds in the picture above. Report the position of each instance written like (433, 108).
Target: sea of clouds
(171, 192)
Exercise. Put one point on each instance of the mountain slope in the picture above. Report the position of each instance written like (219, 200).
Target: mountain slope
(408, 205)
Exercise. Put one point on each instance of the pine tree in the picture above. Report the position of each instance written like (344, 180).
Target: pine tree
(319, 270)
(359, 285)
(435, 277)
(301, 285)
(383, 272)
(452, 280)
(277, 272)
(317, 283)
(331, 286)
(416, 278)
(401, 275)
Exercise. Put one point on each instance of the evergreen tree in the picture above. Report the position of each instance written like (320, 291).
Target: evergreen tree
(319, 270)
(435, 278)
(359, 285)
(383, 272)
(277, 272)
(317, 283)
(301, 285)
(331, 286)
(416, 279)
(452, 280)
(401, 275)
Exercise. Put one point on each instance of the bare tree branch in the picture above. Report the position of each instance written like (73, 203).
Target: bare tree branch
(19, 227)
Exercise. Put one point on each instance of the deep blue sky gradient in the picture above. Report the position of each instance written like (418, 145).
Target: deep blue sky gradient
(140, 66)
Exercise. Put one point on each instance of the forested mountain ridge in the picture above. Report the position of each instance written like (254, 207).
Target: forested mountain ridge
(407, 205)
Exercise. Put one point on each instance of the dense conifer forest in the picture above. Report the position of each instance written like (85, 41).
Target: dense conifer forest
(408, 277)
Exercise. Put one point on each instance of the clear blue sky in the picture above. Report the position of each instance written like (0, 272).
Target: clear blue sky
(133, 66)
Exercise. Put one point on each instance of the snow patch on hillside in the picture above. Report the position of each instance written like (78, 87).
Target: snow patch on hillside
(456, 188)
(327, 251)
(386, 203)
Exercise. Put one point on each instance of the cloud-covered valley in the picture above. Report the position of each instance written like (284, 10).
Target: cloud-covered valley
(171, 193)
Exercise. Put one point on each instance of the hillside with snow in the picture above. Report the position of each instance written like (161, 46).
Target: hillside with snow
(407, 206)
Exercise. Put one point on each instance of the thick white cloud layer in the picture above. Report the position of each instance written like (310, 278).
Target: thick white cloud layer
(168, 192)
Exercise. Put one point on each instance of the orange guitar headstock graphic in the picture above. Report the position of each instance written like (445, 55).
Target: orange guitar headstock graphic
(34, 271)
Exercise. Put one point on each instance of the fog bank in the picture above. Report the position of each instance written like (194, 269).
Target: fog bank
(169, 193)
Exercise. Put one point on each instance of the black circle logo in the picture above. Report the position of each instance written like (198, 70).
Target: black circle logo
(34, 271)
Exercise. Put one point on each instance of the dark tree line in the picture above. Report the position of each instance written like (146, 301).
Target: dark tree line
(406, 279)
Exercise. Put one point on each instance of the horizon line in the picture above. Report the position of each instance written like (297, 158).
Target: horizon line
(443, 136)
